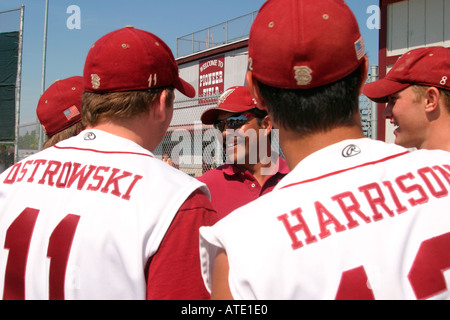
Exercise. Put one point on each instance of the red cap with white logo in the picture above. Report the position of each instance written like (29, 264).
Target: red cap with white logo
(235, 99)
(302, 44)
(132, 59)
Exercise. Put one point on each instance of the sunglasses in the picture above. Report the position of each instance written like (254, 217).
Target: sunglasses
(234, 122)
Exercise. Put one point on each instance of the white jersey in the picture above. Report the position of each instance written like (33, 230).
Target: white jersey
(357, 220)
(81, 219)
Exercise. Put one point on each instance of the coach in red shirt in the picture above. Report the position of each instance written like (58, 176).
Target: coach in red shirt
(252, 168)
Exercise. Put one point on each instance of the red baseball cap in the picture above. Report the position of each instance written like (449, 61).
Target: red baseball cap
(235, 99)
(302, 44)
(424, 66)
(59, 106)
(132, 59)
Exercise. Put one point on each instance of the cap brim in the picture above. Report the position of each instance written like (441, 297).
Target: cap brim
(380, 90)
(185, 88)
(210, 116)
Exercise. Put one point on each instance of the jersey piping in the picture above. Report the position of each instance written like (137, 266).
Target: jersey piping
(344, 170)
(105, 152)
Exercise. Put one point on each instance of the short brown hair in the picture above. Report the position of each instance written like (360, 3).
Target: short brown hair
(97, 107)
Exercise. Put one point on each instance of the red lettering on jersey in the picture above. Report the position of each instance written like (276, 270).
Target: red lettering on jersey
(444, 173)
(126, 196)
(24, 170)
(354, 285)
(323, 223)
(376, 200)
(65, 173)
(442, 192)
(98, 178)
(113, 180)
(12, 175)
(50, 172)
(292, 230)
(348, 209)
(409, 189)
(406, 188)
(400, 208)
(37, 163)
(80, 175)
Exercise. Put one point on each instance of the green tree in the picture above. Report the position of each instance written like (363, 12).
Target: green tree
(29, 141)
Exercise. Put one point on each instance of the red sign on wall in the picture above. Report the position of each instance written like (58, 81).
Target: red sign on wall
(211, 76)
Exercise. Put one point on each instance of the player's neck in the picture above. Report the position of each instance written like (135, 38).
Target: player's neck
(296, 148)
(133, 129)
(437, 135)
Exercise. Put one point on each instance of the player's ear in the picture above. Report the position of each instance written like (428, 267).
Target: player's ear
(364, 70)
(252, 85)
(432, 97)
(162, 109)
(266, 124)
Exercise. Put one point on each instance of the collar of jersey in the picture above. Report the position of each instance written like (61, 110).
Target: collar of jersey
(329, 161)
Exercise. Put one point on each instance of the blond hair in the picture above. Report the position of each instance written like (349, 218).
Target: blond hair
(419, 93)
(69, 132)
(98, 107)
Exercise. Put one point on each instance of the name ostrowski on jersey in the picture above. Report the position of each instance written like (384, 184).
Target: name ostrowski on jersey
(109, 180)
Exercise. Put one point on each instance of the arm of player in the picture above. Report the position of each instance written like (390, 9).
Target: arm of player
(174, 271)
(220, 289)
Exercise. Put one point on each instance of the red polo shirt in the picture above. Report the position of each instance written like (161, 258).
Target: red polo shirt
(232, 188)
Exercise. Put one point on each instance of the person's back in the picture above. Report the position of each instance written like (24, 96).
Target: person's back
(88, 213)
(364, 234)
(355, 218)
(97, 216)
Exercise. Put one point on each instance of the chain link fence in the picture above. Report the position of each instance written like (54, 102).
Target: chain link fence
(193, 147)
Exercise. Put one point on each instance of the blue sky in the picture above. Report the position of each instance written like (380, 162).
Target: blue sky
(169, 19)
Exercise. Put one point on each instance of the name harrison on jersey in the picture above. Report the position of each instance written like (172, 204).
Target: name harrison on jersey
(65, 175)
(390, 198)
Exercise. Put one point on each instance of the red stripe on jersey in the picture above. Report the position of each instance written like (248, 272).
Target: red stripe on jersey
(107, 152)
(344, 170)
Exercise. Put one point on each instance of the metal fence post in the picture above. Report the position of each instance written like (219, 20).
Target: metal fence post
(374, 105)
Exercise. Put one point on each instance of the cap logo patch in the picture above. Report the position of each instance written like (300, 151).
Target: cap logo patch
(71, 112)
(95, 81)
(224, 95)
(443, 80)
(303, 75)
(359, 48)
(153, 78)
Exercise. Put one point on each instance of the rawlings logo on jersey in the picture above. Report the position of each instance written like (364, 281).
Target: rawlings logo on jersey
(89, 136)
(351, 150)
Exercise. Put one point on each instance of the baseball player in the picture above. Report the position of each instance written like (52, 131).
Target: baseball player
(97, 216)
(355, 218)
(59, 108)
(250, 171)
(417, 93)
